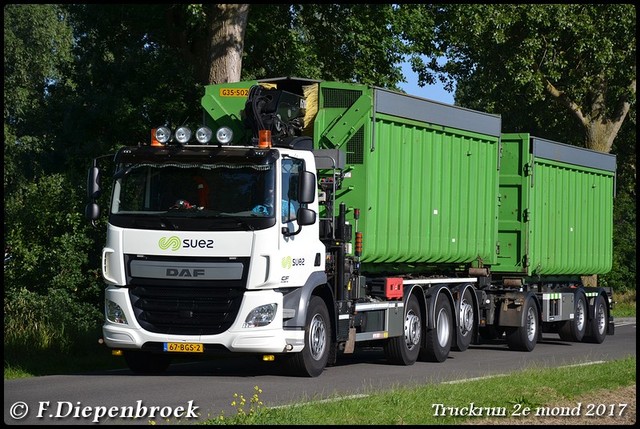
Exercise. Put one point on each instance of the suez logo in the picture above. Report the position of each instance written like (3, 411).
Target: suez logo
(288, 262)
(175, 244)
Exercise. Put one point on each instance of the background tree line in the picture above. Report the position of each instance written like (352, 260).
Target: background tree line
(83, 80)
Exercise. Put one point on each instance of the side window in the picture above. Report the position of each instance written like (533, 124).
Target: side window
(291, 169)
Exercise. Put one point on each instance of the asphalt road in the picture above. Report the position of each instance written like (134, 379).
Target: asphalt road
(205, 389)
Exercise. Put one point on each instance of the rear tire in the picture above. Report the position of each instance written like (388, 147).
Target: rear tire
(524, 338)
(597, 330)
(438, 339)
(574, 330)
(146, 363)
(466, 322)
(313, 358)
(404, 350)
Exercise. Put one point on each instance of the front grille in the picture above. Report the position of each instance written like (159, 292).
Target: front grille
(186, 310)
(186, 305)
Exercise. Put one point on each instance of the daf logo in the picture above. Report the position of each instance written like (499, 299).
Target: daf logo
(185, 272)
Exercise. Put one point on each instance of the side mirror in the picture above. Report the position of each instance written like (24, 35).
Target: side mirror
(307, 188)
(92, 211)
(93, 183)
(306, 216)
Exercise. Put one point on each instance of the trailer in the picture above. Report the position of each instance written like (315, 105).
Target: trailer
(306, 218)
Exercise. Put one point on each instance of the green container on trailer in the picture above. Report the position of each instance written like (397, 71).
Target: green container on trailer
(423, 174)
(556, 208)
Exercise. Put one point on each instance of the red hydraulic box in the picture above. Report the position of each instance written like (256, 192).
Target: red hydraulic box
(387, 287)
(393, 287)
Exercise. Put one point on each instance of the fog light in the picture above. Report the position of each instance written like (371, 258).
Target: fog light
(203, 135)
(224, 135)
(163, 135)
(183, 135)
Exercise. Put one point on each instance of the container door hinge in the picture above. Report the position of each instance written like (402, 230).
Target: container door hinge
(526, 214)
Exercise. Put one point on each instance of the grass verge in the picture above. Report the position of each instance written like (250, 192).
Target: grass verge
(533, 396)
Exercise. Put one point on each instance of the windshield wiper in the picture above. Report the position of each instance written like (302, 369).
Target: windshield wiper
(167, 224)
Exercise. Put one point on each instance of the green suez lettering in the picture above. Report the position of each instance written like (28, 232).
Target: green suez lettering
(202, 244)
(324, 216)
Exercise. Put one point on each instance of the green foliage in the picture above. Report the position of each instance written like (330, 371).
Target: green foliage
(623, 274)
(37, 50)
(344, 42)
(624, 302)
(50, 293)
(37, 60)
(51, 321)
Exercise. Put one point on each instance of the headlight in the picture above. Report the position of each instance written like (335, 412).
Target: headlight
(224, 135)
(183, 135)
(260, 316)
(114, 313)
(203, 135)
(163, 135)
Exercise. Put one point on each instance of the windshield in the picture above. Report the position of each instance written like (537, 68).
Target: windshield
(193, 196)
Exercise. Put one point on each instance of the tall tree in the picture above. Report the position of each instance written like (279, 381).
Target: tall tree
(348, 42)
(210, 37)
(580, 58)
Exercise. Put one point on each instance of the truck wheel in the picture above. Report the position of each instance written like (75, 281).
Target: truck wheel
(438, 339)
(466, 322)
(574, 330)
(404, 350)
(524, 338)
(597, 326)
(145, 362)
(312, 360)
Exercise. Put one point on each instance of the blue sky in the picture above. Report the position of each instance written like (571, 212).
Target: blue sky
(432, 92)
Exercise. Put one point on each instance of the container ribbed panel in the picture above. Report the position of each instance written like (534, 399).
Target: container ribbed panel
(572, 211)
(431, 196)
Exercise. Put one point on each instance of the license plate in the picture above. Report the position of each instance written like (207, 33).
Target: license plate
(184, 347)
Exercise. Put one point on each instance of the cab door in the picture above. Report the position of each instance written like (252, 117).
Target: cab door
(299, 246)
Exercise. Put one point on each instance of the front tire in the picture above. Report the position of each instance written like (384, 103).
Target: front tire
(404, 350)
(438, 339)
(312, 360)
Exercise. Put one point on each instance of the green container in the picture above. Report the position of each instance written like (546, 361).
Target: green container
(556, 208)
(423, 174)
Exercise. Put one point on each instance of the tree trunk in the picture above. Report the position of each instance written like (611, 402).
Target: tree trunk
(226, 26)
(591, 280)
